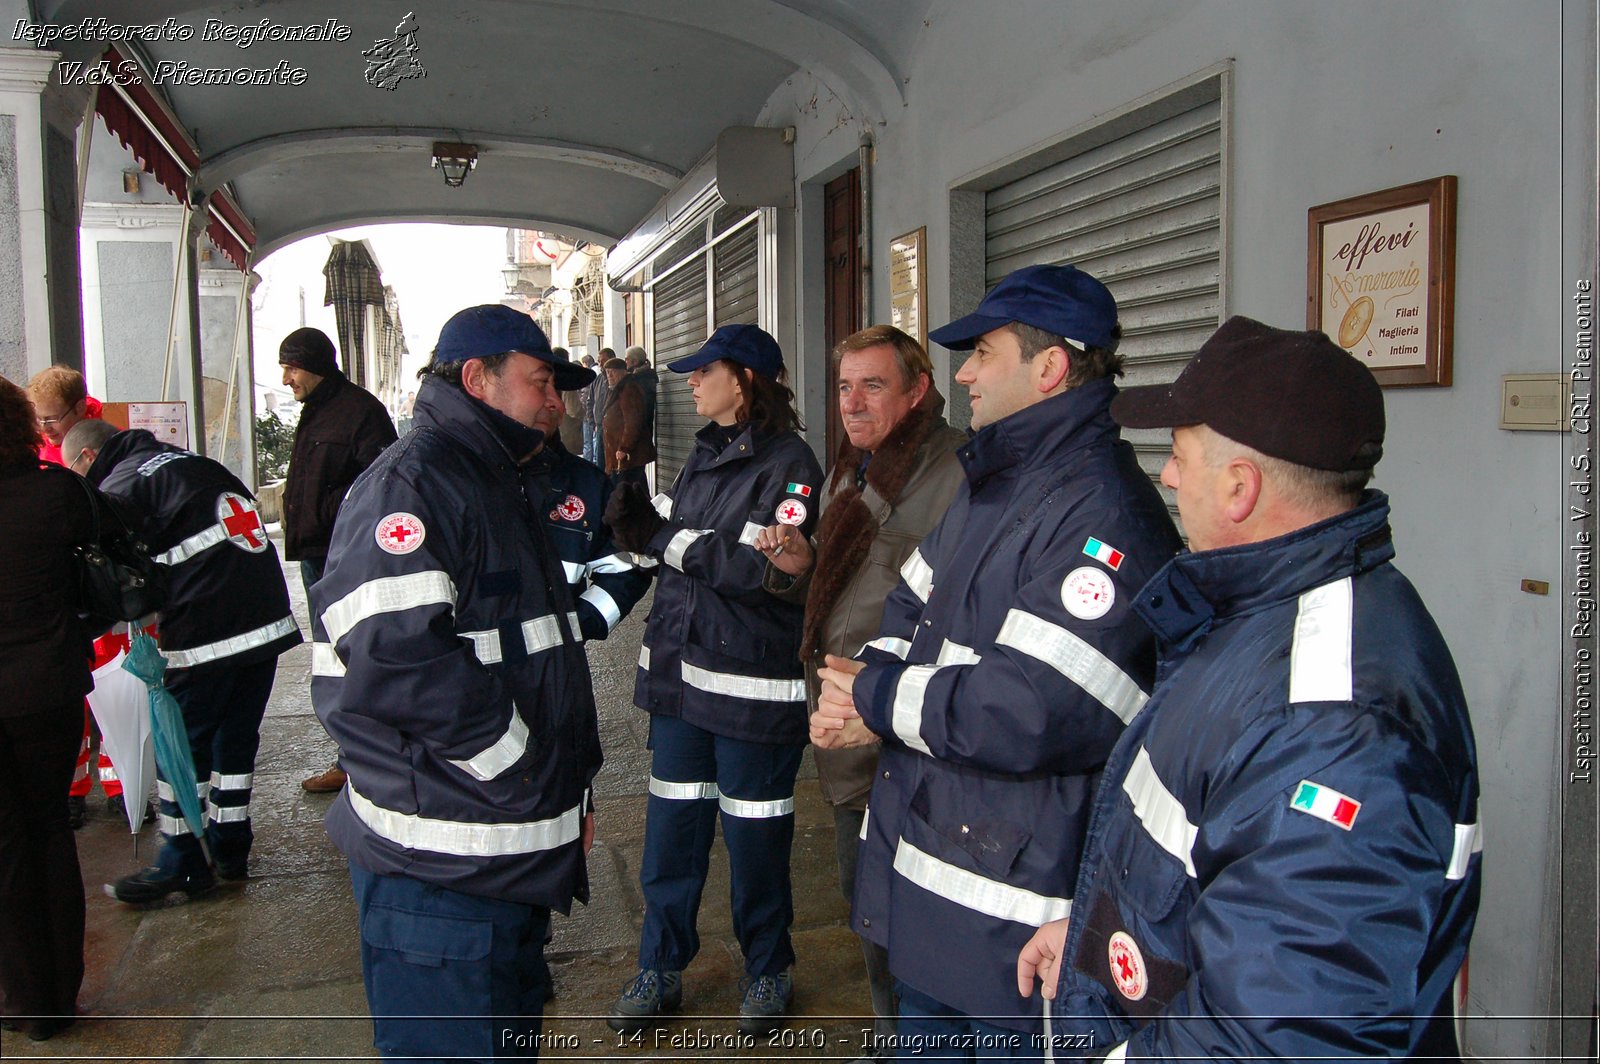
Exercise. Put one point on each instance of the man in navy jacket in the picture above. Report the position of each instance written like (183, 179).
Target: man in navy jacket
(1285, 858)
(449, 667)
(1007, 665)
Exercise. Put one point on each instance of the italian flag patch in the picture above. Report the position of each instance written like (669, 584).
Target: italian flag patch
(802, 490)
(1325, 803)
(1104, 553)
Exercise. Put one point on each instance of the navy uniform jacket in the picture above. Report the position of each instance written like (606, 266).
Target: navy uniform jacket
(1289, 831)
(605, 581)
(449, 666)
(720, 651)
(1008, 663)
(227, 601)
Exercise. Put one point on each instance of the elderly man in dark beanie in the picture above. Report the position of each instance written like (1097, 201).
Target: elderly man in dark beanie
(342, 429)
(1284, 862)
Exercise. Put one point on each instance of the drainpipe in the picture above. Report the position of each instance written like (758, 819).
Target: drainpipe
(866, 152)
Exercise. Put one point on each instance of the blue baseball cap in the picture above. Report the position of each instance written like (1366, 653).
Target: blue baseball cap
(1062, 300)
(494, 329)
(748, 345)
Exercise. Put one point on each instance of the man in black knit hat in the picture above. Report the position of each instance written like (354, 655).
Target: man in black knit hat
(342, 429)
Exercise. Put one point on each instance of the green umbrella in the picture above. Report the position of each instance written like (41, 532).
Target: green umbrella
(170, 734)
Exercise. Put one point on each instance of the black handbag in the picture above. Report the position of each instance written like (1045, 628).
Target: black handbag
(117, 578)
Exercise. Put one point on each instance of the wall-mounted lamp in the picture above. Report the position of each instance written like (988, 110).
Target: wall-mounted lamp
(456, 160)
(130, 182)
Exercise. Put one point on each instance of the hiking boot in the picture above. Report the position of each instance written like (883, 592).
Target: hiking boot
(233, 870)
(77, 811)
(116, 806)
(766, 1000)
(649, 995)
(325, 782)
(155, 883)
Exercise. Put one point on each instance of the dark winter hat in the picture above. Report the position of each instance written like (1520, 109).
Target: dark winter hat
(1062, 300)
(1297, 396)
(748, 345)
(311, 350)
(493, 329)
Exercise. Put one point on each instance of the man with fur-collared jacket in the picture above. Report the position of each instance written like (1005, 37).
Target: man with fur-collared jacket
(449, 667)
(1006, 666)
(1285, 861)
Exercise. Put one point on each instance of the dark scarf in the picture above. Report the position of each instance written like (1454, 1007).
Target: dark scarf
(847, 529)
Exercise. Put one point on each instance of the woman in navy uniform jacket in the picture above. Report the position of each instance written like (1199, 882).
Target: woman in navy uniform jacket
(720, 676)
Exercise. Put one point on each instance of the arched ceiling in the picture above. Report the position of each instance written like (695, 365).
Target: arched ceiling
(584, 112)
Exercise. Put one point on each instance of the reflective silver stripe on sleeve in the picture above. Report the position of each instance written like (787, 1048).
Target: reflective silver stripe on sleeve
(193, 545)
(574, 570)
(679, 543)
(757, 688)
(502, 755)
(1469, 840)
(325, 660)
(1074, 658)
(1117, 1055)
(465, 839)
(663, 504)
(539, 634)
(1162, 815)
(918, 575)
(234, 781)
(756, 810)
(228, 814)
(889, 644)
(227, 648)
(682, 792)
(751, 531)
(906, 716)
(620, 562)
(955, 654)
(1320, 667)
(388, 594)
(978, 893)
(644, 657)
(602, 601)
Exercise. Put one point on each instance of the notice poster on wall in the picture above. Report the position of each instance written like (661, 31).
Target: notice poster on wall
(167, 422)
(1381, 276)
(908, 285)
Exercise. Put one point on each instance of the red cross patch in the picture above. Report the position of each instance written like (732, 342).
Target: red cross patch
(1127, 966)
(571, 509)
(400, 533)
(242, 522)
(792, 512)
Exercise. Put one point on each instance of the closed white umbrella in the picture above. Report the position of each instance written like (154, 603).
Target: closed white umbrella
(121, 703)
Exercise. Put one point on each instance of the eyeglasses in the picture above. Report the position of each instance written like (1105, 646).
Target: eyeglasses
(48, 421)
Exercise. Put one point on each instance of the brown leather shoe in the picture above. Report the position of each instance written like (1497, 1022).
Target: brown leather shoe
(328, 782)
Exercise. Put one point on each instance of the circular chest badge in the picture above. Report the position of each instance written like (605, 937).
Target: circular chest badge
(792, 512)
(400, 533)
(1088, 593)
(242, 522)
(571, 509)
(1127, 966)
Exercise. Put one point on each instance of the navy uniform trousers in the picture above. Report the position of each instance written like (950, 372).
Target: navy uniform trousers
(693, 775)
(222, 707)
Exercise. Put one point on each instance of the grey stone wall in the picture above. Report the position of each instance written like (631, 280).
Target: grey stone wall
(136, 296)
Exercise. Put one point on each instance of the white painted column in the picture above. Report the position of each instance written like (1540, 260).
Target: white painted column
(24, 294)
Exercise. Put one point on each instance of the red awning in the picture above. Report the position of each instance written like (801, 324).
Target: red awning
(163, 148)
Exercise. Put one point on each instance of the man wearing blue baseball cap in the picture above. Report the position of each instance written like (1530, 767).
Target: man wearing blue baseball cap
(449, 667)
(1007, 665)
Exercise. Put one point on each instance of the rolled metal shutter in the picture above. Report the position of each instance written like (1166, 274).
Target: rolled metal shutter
(1143, 213)
(680, 329)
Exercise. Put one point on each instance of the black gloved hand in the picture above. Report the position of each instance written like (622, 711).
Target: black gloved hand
(633, 521)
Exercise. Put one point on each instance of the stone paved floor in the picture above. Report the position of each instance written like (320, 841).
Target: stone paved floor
(269, 969)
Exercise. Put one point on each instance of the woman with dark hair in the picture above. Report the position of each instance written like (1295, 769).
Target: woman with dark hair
(44, 667)
(720, 676)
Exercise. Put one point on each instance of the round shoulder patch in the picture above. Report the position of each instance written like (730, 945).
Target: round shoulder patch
(1088, 593)
(241, 521)
(792, 512)
(1127, 966)
(400, 533)
(571, 509)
